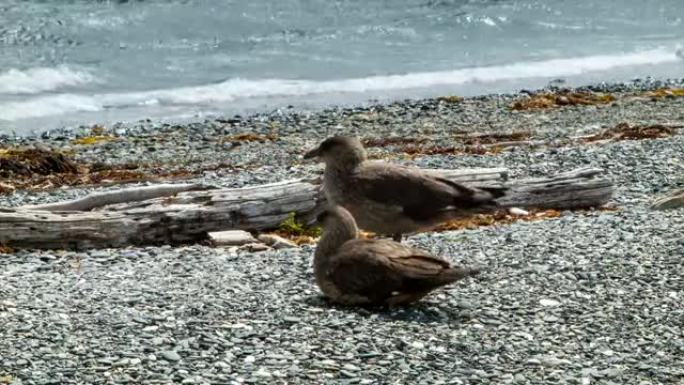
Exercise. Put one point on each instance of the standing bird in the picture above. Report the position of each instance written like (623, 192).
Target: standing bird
(355, 271)
(390, 199)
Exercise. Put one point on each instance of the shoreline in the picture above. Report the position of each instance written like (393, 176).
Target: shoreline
(356, 103)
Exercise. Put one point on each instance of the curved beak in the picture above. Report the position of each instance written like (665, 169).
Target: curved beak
(313, 153)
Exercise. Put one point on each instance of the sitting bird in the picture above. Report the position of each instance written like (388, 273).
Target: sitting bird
(391, 199)
(367, 272)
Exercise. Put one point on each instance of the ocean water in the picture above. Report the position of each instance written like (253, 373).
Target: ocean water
(69, 62)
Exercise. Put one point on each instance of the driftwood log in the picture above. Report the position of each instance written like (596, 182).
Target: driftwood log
(173, 214)
(673, 200)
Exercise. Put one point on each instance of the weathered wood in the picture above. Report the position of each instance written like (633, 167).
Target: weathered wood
(673, 200)
(131, 194)
(189, 216)
(571, 190)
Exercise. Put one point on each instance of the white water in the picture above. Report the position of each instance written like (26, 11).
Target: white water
(42, 79)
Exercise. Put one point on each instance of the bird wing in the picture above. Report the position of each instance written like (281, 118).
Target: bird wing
(420, 194)
(378, 269)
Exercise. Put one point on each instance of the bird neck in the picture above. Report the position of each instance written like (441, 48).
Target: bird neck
(334, 236)
(341, 168)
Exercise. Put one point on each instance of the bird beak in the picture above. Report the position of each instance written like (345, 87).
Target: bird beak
(313, 153)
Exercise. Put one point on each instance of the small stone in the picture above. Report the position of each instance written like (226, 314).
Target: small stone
(329, 363)
(231, 238)
(262, 373)
(99, 254)
(549, 302)
(121, 363)
(551, 362)
(518, 211)
(171, 356)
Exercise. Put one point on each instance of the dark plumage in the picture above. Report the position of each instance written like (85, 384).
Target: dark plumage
(375, 272)
(391, 199)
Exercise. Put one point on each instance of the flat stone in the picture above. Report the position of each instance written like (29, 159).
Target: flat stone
(262, 373)
(551, 362)
(548, 302)
(231, 238)
(171, 356)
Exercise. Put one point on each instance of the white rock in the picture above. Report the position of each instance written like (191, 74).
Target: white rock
(277, 242)
(518, 211)
(231, 238)
(418, 345)
(262, 373)
(548, 302)
(552, 361)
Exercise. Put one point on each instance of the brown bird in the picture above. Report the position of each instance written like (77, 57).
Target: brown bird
(391, 199)
(362, 272)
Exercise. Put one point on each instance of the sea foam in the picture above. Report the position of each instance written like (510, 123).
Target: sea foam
(235, 89)
(41, 79)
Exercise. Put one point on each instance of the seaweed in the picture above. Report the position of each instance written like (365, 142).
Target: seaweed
(666, 93)
(391, 141)
(4, 249)
(27, 162)
(37, 169)
(624, 131)
(450, 99)
(93, 140)
(249, 137)
(552, 100)
(493, 138)
(500, 217)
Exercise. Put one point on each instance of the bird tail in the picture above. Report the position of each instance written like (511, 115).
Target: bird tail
(476, 196)
(457, 273)
(480, 200)
(494, 192)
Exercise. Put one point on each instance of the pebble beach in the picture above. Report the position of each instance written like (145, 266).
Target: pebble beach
(589, 297)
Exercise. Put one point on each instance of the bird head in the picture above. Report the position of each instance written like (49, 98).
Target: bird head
(339, 151)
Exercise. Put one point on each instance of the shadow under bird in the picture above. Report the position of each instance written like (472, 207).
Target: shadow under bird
(391, 199)
(370, 272)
